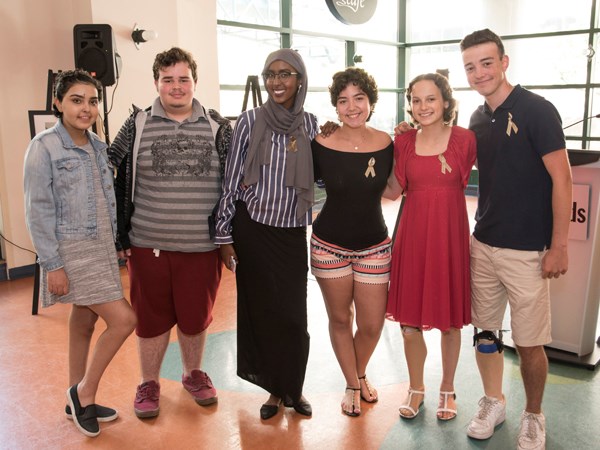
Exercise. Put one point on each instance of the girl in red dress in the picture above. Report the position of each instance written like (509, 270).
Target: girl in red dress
(430, 283)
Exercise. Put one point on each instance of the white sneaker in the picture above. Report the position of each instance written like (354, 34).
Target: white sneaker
(533, 432)
(491, 412)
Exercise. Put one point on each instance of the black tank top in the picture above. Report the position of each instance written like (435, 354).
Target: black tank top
(352, 216)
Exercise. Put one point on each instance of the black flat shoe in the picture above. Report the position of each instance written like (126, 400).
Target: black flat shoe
(103, 413)
(85, 418)
(303, 407)
(268, 411)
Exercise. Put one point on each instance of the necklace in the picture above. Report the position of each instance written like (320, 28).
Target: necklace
(359, 143)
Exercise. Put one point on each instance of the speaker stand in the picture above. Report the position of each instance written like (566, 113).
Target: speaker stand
(105, 108)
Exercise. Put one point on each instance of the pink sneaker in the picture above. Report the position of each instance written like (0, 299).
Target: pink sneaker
(146, 400)
(200, 386)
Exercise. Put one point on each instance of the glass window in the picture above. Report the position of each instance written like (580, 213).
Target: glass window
(592, 145)
(315, 16)
(467, 102)
(381, 61)
(553, 61)
(595, 121)
(576, 144)
(569, 103)
(445, 20)
(259, 12)
(430, 58)
(319, 104)
(453, 20)
(243, 52)
(596, 61)
(549, 60)
(322, 57)
(558, 60)
(384, 117)
(232, 101)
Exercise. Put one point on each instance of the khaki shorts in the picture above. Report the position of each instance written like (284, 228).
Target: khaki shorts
(501, 275)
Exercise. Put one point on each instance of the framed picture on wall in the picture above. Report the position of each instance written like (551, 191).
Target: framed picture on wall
(40, 121)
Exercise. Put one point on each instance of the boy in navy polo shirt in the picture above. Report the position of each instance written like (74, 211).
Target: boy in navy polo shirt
(520, 239)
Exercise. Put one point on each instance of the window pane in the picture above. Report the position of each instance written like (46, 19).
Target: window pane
(259, 12)
(232, 100)
(596, 62)
(595, 122)
(428, 59)
(322, 57)
(454, 20)
(467, 102)
(569, 103)
(381, 61)
(243, 52)
(318, 103)
(558, 60)
(384, 118)
(315, 16)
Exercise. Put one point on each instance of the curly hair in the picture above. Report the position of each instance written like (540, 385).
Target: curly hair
(443, 85)
(358, 77)
(171, 57)
(65, 80)
(482, 37)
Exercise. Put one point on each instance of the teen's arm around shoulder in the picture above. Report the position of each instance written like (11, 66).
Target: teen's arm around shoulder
(122, 144)
(556, 261)
(231, 185)
(471, 149)
(393, 189)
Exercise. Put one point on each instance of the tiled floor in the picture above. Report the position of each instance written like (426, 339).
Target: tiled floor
(33, 379)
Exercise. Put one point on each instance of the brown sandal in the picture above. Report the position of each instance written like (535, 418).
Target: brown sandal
(354, 412)
(374, 398)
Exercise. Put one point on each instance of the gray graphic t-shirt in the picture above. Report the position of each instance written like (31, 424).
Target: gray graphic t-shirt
(177, 185)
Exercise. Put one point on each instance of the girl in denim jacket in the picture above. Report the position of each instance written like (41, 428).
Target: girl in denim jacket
(70, 214)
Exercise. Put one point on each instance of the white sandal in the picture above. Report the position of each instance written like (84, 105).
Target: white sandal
(410, 408)
(445, 408)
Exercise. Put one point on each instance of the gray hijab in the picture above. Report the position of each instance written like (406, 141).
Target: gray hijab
(272, 117)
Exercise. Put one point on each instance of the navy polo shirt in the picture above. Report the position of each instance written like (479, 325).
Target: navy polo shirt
(514, 208)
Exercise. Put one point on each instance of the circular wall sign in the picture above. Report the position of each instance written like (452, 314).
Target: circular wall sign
(352, 12)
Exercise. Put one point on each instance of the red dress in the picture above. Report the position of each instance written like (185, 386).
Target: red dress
(430, 280)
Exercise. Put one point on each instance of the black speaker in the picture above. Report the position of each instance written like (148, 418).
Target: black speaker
(95, 51)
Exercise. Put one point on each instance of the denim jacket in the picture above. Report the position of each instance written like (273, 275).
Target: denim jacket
(60, 202)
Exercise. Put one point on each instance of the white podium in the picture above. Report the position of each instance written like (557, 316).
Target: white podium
(575, 297)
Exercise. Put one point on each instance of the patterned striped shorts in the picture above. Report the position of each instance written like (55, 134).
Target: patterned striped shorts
(370, 265)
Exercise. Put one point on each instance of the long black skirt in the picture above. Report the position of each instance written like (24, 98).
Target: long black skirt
(272, 336)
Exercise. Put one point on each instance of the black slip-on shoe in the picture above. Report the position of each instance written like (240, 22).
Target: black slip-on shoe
(84, 418)
(103, 413)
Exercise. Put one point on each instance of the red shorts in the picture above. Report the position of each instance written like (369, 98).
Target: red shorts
(173, 288)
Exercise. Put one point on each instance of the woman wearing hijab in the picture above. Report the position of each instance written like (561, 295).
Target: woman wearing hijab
(261, 227)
